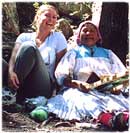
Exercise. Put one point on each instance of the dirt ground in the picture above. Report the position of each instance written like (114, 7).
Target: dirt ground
(19, 122)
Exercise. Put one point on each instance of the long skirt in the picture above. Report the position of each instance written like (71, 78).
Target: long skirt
(73, 104)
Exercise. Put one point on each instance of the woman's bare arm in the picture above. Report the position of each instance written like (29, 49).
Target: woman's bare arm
(59, 56)
(13, 79)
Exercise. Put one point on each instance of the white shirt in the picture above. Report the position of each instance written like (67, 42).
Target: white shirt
(80, 64)
(53, 44)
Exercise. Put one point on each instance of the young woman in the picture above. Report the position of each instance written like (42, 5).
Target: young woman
(76, 101)
(35, 56)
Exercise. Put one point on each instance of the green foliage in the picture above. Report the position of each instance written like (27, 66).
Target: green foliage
(89, 4)
(36, 5)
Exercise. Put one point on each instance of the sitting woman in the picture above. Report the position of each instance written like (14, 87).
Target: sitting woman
(75, 101)
(35, 56)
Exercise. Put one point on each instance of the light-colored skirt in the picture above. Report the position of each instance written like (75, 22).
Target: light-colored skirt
(74, 104)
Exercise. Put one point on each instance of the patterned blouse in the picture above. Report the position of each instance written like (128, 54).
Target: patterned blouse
(80, 62)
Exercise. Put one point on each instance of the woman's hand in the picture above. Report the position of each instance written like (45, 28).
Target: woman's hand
(13, 80)
(76, 84)
(83, 88)
(117, 90)
(67, 82)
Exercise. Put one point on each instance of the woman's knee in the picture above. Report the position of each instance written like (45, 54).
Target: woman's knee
(25, 58)
(27, 47)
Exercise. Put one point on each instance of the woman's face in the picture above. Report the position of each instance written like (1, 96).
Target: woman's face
(47, 19)
(89, 35)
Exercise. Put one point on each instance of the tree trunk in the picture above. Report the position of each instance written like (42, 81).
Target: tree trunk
(114, 28)
(10, 20)
(96, 12)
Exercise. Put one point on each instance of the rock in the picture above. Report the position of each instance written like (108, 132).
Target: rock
(64, 26)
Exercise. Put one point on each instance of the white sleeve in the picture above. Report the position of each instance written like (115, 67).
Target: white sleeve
(61, 42)
(65, 66)
(117, 65)
(20, 38)
(23, 37)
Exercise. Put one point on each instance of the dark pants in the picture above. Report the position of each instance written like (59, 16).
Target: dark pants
(4, 73)
(32, 73)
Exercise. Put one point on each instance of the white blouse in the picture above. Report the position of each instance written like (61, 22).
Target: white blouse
(80, 64)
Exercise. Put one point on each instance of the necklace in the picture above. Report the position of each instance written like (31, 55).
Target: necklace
(91, 52)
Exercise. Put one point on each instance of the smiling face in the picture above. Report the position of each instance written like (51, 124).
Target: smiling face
(89, 35)
(46, 18)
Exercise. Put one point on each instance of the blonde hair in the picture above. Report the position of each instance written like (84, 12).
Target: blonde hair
(40, 10)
